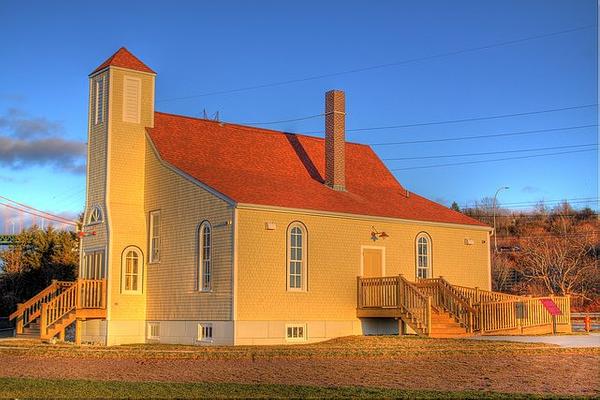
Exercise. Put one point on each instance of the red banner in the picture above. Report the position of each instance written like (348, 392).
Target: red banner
(551, 306)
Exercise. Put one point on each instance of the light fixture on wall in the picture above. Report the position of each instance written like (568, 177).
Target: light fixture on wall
(376, 235)
(83, 234)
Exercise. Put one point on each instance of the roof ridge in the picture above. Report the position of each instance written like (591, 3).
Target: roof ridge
(255, 128)
(124, 58)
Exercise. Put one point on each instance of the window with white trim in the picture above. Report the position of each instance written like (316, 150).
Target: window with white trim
(154, 236)
(205, 256)
(296, 257)
(205, 332)
(423, 256)
(98, 89)
(95, 216)
(295, 332)
(93, 264)
(153, 330)
(132, 270)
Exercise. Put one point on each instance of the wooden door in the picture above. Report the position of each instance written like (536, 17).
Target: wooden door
(372, 263)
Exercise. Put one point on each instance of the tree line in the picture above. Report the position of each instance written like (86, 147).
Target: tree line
(32, 261)
(547, 250)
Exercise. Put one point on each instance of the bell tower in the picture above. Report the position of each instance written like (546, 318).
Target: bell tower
(121, 108)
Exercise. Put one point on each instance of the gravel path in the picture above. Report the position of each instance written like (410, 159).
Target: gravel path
(552, 373)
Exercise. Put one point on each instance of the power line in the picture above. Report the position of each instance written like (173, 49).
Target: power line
(69, 193)
(35, 210)
(455, 121)
(488, 153)
(285, 120)
(532, 205)
(61, 221)
(491, 160)
(484, 136)
(557, 235)
(379, 66)
(526, 216)
(574, 200)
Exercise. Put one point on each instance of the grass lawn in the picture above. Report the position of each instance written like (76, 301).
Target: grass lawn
(350, 346)
(45, 388)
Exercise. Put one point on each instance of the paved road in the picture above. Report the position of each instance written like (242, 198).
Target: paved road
(590, 340)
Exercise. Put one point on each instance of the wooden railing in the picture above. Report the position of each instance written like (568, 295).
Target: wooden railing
(479, 311)
(445, 297)
(480, 295)
(378, 292)
(527, 312)
(58, 307)
(84, 294)
(396, 292)
(91, 293)
(416, 303)
(30, 310)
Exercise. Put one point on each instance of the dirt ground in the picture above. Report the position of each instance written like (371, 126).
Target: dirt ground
(371, 362)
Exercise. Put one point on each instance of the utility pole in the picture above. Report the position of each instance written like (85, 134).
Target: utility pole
(495, 203)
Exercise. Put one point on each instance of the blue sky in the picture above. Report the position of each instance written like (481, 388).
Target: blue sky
(202, 47)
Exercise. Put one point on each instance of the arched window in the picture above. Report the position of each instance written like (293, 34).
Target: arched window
(423, 256)
(205, 256)
(296, 257)
(95, 216)
(132, 262)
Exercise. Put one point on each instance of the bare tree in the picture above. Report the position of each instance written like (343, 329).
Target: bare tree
(561, 262)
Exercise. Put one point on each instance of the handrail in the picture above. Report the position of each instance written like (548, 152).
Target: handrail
(446, 287)
(481, 295)
(526, 312)
(27, 312)
(35, 300)
(395, 292)
(443, 296)
(84, 294)
(415, 303)
(58, 307)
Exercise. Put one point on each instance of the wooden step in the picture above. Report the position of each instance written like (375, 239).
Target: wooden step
(28, 335)
(443, 325)
(446, 326)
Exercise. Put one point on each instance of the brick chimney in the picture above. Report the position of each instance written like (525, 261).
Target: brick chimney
(335, 140)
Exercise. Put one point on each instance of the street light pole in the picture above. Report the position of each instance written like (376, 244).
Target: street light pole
(495, 202)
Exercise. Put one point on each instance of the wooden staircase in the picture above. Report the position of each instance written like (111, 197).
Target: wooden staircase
(443, 325)
(436, 308)
(50, 312)
(31, 331)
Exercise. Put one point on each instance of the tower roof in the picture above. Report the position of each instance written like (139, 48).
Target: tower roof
(124, 59)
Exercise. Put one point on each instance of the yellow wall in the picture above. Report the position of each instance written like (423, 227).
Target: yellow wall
(172, 283)
(126, 158)
(334, 258)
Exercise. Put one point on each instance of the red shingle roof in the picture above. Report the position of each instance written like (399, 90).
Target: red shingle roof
(264, 167)
(124, 59)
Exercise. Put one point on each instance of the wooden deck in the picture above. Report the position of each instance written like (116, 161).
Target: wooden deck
(475, 310)
(50, 312)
